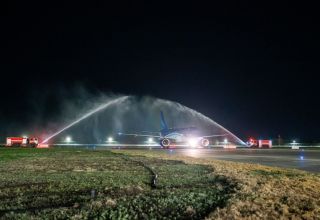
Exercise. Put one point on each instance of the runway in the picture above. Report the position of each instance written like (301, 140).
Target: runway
(303, 159)
(308, 160)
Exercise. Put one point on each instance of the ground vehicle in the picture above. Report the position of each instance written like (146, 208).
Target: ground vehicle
(259, 143)
(22, 142)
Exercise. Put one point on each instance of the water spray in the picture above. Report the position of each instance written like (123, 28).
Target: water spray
(195, 113)
(103, 106)
(142, 109)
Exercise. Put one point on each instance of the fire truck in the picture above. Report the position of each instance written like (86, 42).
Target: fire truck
(22, 142)
(259, 143)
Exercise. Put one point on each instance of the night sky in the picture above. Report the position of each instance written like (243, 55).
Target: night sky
(252, 68)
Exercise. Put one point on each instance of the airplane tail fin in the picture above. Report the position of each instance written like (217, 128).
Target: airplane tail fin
(163, 123)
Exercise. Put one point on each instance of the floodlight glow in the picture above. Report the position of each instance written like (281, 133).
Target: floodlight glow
(193, 152)
(225, 141)
(192, 142)
(68, 139)
(25, 136)
(150, 140)
(110, 139)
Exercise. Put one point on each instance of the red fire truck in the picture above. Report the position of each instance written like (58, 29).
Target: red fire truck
(22, 142)
(259, 143)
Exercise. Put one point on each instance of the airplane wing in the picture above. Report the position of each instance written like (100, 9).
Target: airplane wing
(139, 135)
(150, 132)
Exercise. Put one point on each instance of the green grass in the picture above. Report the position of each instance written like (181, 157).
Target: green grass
(70, 183)
(17, 153)
(262, 192)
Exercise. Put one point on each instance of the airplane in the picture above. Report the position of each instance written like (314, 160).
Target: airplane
(172, 136)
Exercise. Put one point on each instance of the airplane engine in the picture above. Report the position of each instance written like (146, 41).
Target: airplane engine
(165, 142)
(204, 142)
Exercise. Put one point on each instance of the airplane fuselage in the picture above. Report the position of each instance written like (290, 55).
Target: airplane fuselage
(178, 135)
(173, 132)
(186, 135)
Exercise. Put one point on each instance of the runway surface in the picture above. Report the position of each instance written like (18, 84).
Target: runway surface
(308, 160)
(303, 159)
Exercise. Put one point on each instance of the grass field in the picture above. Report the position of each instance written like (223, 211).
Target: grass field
(86, 184)
(81, 184)
(262, 192)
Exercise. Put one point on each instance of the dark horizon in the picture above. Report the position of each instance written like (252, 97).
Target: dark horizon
(251, 68)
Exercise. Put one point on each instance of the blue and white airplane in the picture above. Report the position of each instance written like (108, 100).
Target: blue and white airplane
(177, 136)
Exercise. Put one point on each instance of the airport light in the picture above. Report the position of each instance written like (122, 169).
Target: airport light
(192, 142)
(150, 140)
(294, 145)
(110, 139)
(68, 139)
